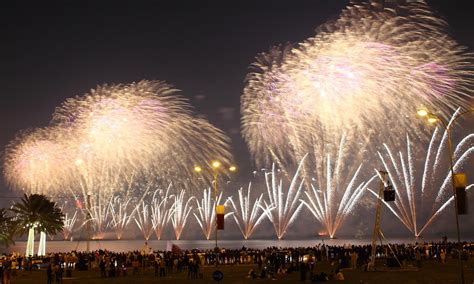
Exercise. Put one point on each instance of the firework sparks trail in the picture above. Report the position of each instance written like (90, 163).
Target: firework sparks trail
(69, 224)
(98, 203)
(119, 206)
(420, 202)
(99, 216)
(180, 211)
(282, 205)
(373, 62)
(143, 220)
(206, 216)
(248, 215)
(120, 214)
(160, 211)
(332, 200)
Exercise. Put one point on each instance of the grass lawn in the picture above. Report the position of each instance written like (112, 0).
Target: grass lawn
(431, 272)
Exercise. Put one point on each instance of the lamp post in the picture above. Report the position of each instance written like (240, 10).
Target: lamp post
(433, 118)
(216, 168)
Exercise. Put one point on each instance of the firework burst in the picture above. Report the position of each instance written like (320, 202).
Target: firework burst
(110, 139)
(143, 127)
(373, 63)
(36, 161)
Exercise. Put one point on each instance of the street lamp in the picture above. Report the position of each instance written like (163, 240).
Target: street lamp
(216, 164)
(216, 167)
(433, 118)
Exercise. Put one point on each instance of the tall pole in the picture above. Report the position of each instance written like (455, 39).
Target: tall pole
(215, 211)
(376, 233)
(451, 166)
(447, 126)
(215, 166)
(88, 225)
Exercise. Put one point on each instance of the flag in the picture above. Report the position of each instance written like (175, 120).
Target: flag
(175, 249)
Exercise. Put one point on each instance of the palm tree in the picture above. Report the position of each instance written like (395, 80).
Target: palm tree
(6, 228)
(36, 211)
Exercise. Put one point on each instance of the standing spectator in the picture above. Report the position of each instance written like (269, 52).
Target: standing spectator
(157, 265)
(442, 256)
(175, 264)
(112, 268)
(20, 262)
(190, 268)
(102, 268)
(418, 258)
(303, 271)
(264, 273)
(162, 268)
(58, 271)
(6, 274)
(354, 257)
(49, 274)
(135, 266)
(196, 267)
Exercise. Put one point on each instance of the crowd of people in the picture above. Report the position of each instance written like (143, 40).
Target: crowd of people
(272, 262)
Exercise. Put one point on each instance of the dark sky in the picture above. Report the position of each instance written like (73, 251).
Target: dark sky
(55, 50)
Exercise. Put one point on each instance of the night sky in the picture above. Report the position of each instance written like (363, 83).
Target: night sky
(55, 50)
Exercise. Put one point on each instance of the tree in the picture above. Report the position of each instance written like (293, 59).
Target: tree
(6, 228)
(36, 211)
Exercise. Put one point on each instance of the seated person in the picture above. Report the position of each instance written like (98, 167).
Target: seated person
(323, 277)
(280, 273)
(251, 274)
(338, 275)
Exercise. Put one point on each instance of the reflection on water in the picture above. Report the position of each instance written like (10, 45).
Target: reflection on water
(127, 245)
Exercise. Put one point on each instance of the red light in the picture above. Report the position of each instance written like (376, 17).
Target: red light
(78, 204)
